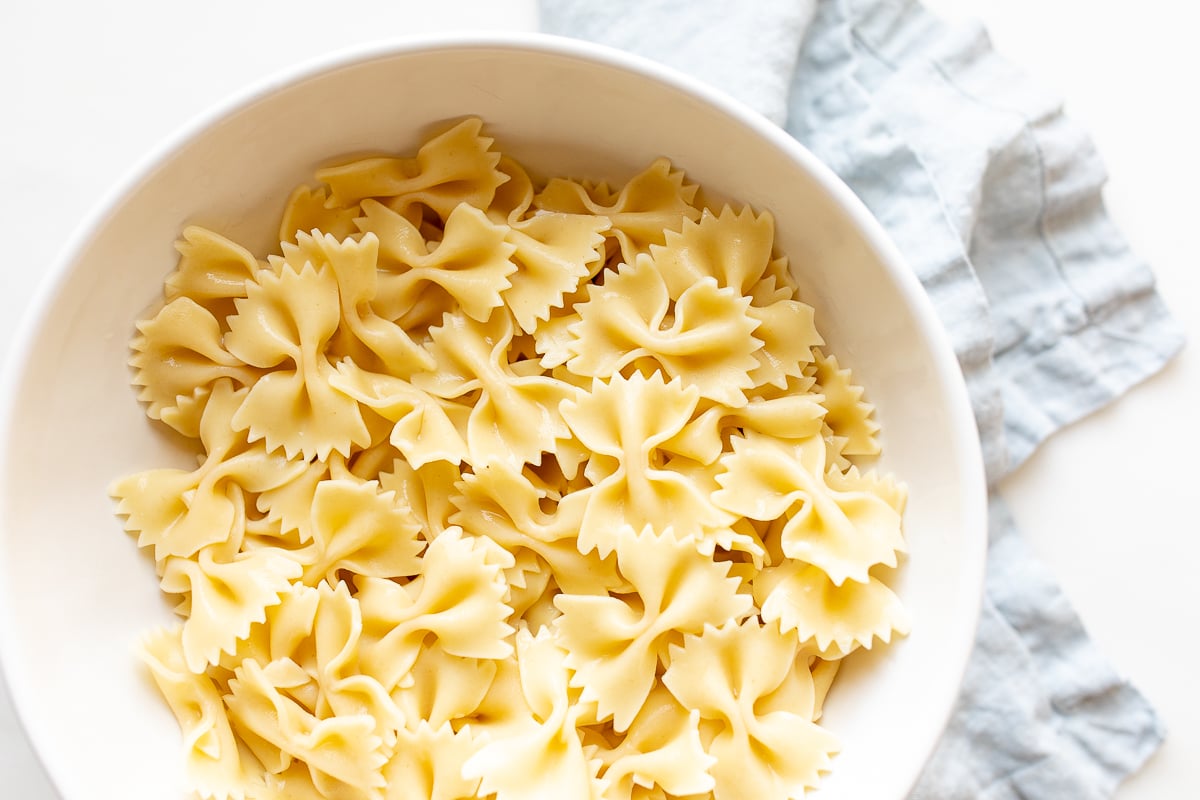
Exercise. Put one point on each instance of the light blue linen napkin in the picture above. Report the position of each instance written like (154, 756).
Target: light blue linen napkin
(994, 197)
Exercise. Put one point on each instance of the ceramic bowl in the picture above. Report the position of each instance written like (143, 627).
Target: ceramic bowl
(75, 592)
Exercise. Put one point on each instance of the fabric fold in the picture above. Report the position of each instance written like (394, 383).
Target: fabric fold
(1042, 714)
(748, 50)
(1073, 312)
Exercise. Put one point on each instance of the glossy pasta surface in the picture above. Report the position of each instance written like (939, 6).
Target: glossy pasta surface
(505, 490)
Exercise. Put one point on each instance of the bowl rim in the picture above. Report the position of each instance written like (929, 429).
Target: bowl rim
(13, 678)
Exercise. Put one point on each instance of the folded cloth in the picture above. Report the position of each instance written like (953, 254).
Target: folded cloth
(994, 198)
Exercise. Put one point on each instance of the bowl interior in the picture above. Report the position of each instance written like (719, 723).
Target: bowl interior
(75, 594)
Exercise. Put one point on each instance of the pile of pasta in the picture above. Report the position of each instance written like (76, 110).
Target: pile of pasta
(505, 490)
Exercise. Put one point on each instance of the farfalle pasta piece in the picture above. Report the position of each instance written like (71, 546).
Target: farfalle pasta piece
(285, 635)
(215, 766)
(295, 683)
(516, 417)
(736, 539)
(723, 673)
(425, 428)
(184, 415)
(702, 335)
(734, 248)
(308, 209)
(357, 528)
(554, 254)
(426, 491)
(529, 580)
(284, 324)
(444, 688)
(886, 487)
(835, 460)
(552, 338)
(503, 504)
(341, 753)
(225, 598)
(469, 267)
(654, 201)
(822, 672)
(514, 197)
(835, 619)
(458, 599)
(179, 512)
(179, 351)
(623, 423)
(344, 689)
(212, 271)
(788, 416)
(377, 457)
(289, 504)
(843, 533)
(503, 708)
(848, 415)
(454, 168)
(372, 341)
(797, 692)
(789, 335)
(615, 643)
(662, 748)
(541, 755)
(429, 763)
(497, 495)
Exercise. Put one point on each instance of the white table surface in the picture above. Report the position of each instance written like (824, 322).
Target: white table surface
(86, 90)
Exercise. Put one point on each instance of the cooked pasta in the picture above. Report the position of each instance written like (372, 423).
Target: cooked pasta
(506, 491)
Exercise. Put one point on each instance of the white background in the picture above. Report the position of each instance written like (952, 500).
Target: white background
(87, 89)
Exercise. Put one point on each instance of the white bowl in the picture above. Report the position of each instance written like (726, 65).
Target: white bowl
(75, 593)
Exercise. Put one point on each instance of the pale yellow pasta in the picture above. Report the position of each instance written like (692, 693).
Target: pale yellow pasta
(429, 764)
(467, 268)
(212, 270)
(703, 335)
(358, 529)
(515, 417)
(285, 325)
(307, 209)
(180, 512)
(847, 415)
(362, 333)
(734, 249)
(428, 490)
(844, 533)
(615, 645)
(554, 253)
(622, 423)
(214, 764)
(541, 753)
(178, 354)
(506, 490)
(452, 169)
(789, 416)
(797, 595)
(641, 212)
(504, 505)
(425, 428)
(662, 748)
(758, 752)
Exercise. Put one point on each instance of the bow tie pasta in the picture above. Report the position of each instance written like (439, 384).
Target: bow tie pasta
(506, 491)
